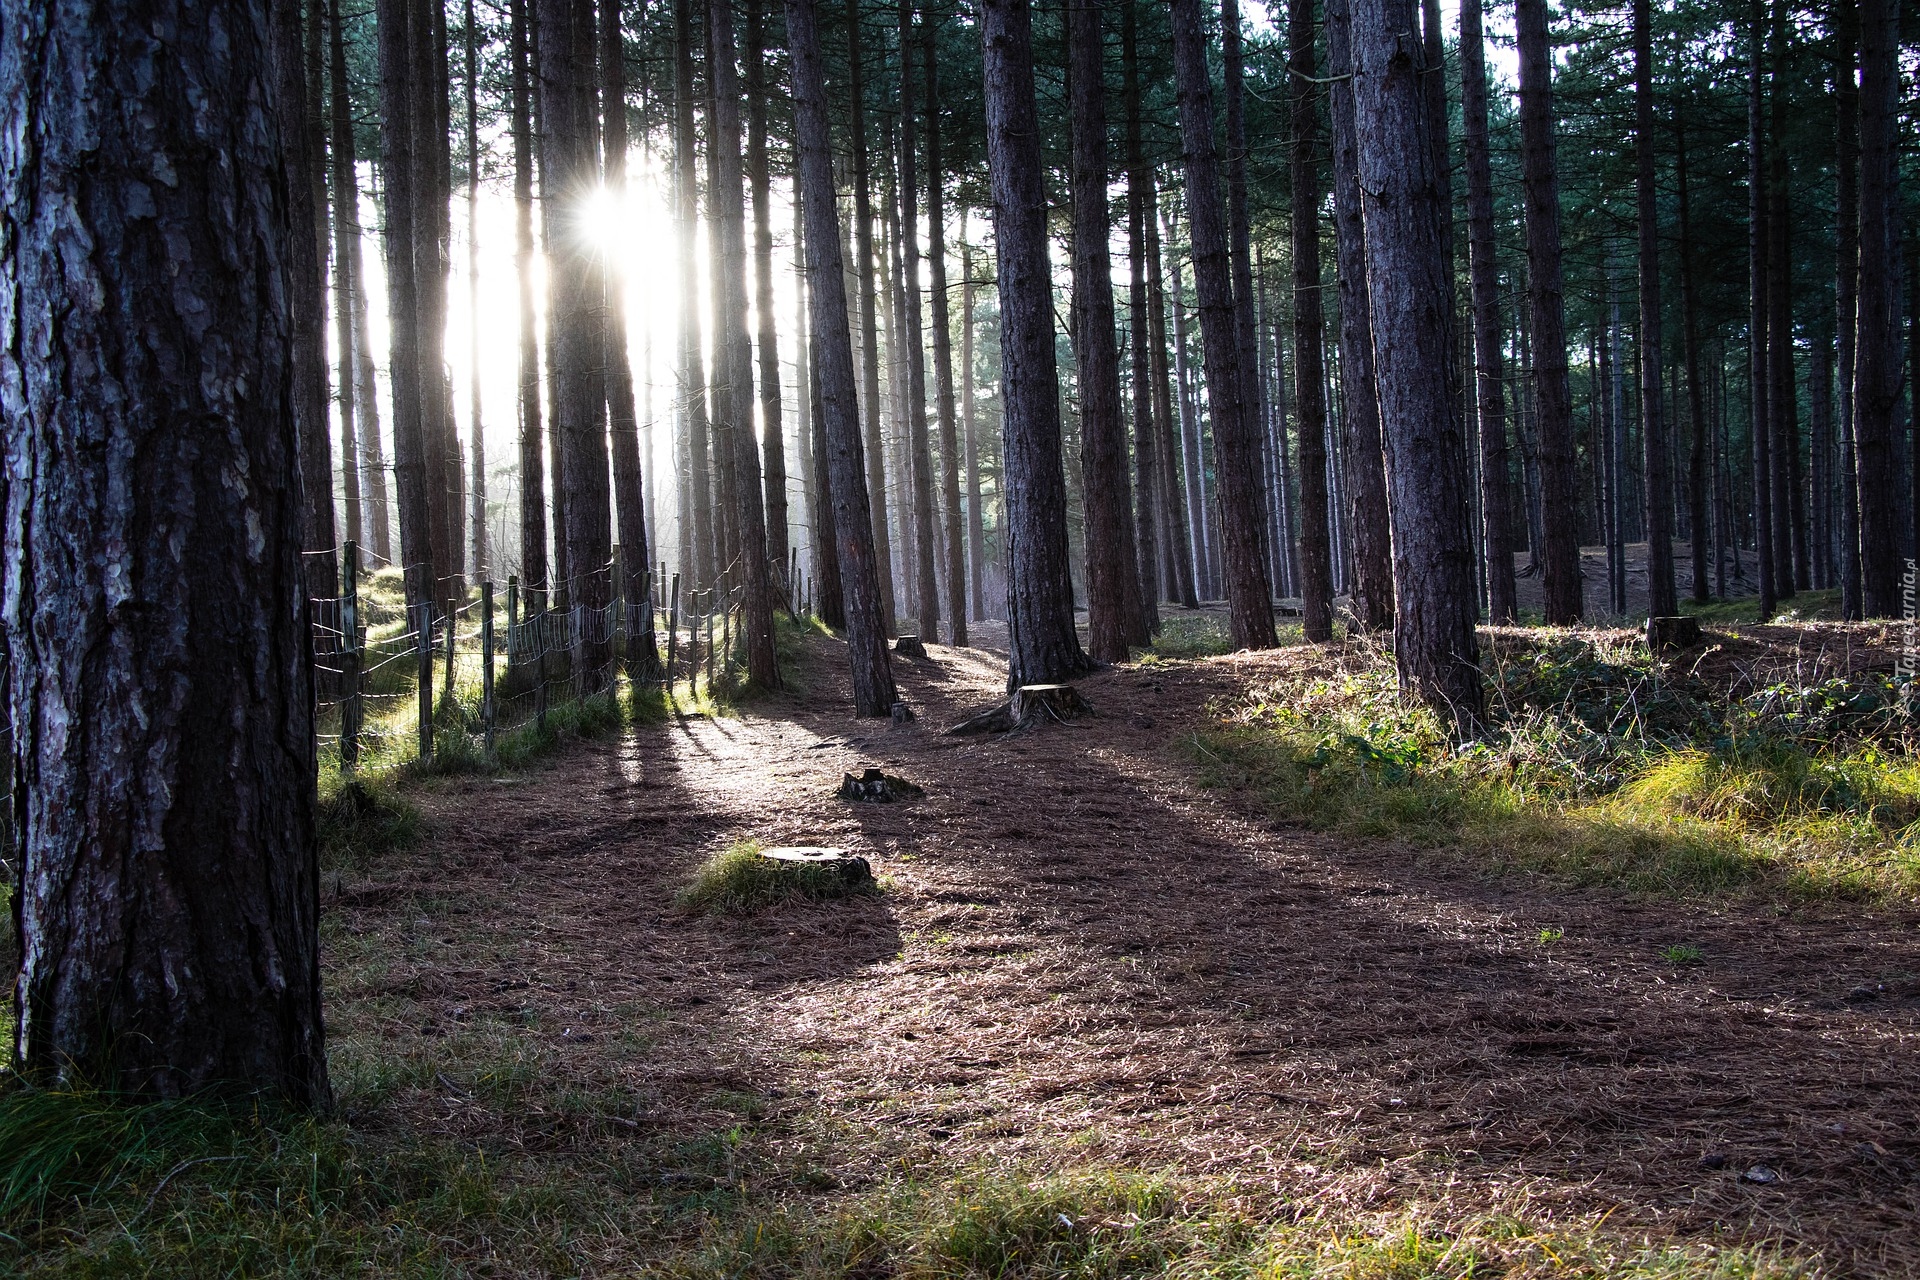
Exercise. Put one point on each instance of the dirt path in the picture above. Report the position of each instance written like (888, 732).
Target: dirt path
(1082, 959)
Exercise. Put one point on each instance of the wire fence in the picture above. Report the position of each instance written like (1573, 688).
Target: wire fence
(401, 675)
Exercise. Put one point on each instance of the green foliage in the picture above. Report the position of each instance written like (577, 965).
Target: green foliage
(1680, 953)
(738, 881)
(362, 818)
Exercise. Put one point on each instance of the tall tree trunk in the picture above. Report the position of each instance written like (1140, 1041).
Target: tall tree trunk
(1697, 516)
(1149, 513)
(836, 406)
(394, 24)
(1179, 531)
(1239, 225)
(347, 273)
(1876, 372)
(1758, 382)
(1042, 646)
(161, 661)
(1114, 618)
(623, 419)
(1559, 553)
(1489, 374)
(865, 268)
(1662, 598)
(1236, 422)
(773, 445)
(307, 296)
(976, 518)
(706, 566)
(575, 293)
(1309, 327)
(829, 598)
(955, 565)
(432, 201)
(735, 353)
(534, 573)
(1783, 399)
(1193, 455)
(1407, 281)
(920, 451)
(477, 486)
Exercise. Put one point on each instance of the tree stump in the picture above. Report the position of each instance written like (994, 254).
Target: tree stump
(1665, 634)
(902, 715)
(910, 647)
(852, 868)
(1030, 705)
(875, 787)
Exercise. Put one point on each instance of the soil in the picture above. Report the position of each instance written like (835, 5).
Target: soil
(1081, 958)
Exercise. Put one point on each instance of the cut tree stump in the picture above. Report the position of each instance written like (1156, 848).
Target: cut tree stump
(910, 646)
(902, 715)
(876, 787)
(1030, 705)
(1673, 633)
(852, 868)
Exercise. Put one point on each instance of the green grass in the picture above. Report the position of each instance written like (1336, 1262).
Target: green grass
(1602, 768)
(1804, 607)
(738, 880)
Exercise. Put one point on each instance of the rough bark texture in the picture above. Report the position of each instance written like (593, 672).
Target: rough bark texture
(1042, 645)
(1559, 553)
(344, 184)
(1846, 237)
(533, 490)
(1176, 474)
(952, 548)
(728, 202)
(1489, 375)
(1759, 385)
(864, 271)
(1783, 398)
(773, 434)
(307, 295)
(1309, 327)
(1236, 423)
(477, 484)
(1149, 518)
(1114, 620)
(1658, 507)
(705, 565)
(836, 406)
(913, 345)
(403, 321)
(623, 418)
(976, 518)
(1876, 374)
(1407, 282)
(1697, 515)
(432, 209)
(1239, 225)
(161, 687)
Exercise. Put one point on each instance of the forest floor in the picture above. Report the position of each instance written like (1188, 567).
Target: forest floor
(1092, 986)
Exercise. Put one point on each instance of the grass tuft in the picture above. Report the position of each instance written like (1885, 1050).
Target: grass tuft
(361, 819)
(738, 881)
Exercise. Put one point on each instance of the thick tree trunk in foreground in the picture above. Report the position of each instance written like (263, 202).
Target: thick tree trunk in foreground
(836, 406)
(1489, 375)
(1236, 425)
(1662, 600)
(1559, 552)
(1309, 327)
(1876, 372)
(161, 683)
(1114, 619)
(1407, 280)
(1042, 645)
(951, 545)
(1362, 449)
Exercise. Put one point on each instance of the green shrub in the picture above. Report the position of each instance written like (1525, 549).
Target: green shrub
(738, 880)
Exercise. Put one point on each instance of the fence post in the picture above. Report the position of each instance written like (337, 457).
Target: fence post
(350, 658)
(513, 614)
(486, 661)
(423, 652)
(453, 622)
(673, 623)
(542, 624)
(710, 594)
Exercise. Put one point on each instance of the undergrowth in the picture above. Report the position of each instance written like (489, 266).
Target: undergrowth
(1602, 765)
(738, 880)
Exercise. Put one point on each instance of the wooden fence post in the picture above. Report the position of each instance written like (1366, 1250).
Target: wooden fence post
(486, 661)
(423, 652)
(350, 709)
(673, 624)
(513, 614)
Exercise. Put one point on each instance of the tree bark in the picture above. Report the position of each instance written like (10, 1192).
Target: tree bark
(951, 544)
(534, 572)
(1236, 423)
(773, 443)
(1309, 327)
(347, 273)
(1114, 618)
(976, 518)
(1042, 645)
(913, 344)
(1239, 226)
(1149, 506)
(865, 270)
(1559, 553)
(1663, 600)
(432, 211)
(1697, 515)
(1407, 282)
(161, 678)
(1783, 398)
(307, 296)
(1758, 382)
(1488, 361)
(1178, 542)
(705, 568)
(623, 419)
(477, 485)
(836, 405)
(1876, 373)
